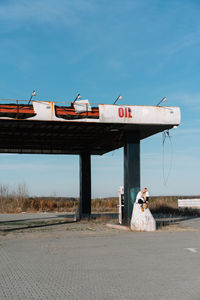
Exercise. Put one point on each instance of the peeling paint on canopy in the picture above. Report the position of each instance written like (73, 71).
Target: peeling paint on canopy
(103, 113)
(133, 114)
(43, 127)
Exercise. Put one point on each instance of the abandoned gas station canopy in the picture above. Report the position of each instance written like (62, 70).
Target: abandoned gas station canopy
(44, 127)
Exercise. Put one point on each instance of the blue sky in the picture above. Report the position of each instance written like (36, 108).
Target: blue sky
(144, 50)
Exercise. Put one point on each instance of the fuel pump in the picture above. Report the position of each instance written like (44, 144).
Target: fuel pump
(121, 204)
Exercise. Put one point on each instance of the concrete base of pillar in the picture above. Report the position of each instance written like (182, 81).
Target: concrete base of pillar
(81, 216)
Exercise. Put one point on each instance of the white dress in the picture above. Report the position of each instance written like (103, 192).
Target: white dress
(142, 220)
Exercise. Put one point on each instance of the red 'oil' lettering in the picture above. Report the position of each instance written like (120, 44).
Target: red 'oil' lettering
(121, 112)
(129, 113)
(124, 112)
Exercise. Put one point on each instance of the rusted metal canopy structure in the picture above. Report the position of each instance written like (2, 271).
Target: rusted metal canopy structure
(49, 137)
(44, 128)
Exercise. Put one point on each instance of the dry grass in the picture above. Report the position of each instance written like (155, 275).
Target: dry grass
(105, 204)
(17, 200)
(168, 205)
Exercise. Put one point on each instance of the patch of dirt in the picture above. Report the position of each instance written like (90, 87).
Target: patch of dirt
(96, 227)
(92, 227)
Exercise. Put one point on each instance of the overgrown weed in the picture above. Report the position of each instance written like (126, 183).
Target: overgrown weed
(17, 200)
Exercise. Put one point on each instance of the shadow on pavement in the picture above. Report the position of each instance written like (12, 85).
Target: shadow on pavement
(27, 223)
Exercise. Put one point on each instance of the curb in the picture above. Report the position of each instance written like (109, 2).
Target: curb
(120, 227)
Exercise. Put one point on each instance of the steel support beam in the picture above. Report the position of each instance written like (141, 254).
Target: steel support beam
(131, 172)
(85, 185)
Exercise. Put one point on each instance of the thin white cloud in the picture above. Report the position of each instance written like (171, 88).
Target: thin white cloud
(37, 167)
(189, 131)
(45, 11)
(182, 43)
(114, 64)
(173, 48)
(150, 155)
(188, 100)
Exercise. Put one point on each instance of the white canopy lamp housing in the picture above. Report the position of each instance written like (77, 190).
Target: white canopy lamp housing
(81, 106)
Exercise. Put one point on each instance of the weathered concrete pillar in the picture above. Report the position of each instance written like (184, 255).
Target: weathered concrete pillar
(131, 172)
(85, 185)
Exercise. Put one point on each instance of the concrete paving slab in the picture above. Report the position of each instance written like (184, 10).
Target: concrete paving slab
(88, 260)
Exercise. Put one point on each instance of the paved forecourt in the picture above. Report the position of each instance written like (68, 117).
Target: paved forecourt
(87, 260)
